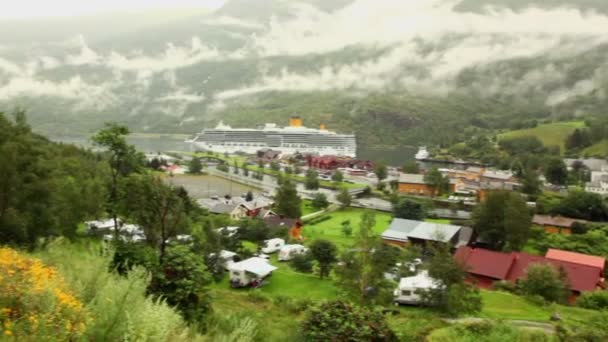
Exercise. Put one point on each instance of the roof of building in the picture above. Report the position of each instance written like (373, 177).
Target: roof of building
(501, 175)
(403, 230)
(593, 164)
(576, 258)
(556, 221)
(475, 169)
(255, 265)
(421, 280)
(411, 178)
(485, 262)
(513, 266)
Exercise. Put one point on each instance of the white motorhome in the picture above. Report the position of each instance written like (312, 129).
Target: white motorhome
(249, 272)
(287, 252)
(228, 231)
(273, 245)
(409, 288)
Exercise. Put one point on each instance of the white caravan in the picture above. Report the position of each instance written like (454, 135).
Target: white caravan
(408, 290)
(273, 245)
(287, 252)
(250, 272)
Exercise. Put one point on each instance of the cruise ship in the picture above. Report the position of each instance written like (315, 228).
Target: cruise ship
(291, 139)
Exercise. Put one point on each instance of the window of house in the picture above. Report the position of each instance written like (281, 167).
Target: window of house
(406, 293)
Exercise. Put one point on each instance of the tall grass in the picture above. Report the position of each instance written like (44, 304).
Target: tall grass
(118, 305)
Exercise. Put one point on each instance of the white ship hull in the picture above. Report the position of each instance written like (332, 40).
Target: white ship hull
(322, 151)
(288, 140)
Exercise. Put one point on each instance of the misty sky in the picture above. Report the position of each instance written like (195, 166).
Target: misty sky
(23, 9)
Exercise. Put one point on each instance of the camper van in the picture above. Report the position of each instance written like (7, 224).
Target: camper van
(273, 245)
(249, 272)
(409, 288)
(287, 252)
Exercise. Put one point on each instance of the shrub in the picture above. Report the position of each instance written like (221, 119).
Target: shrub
(341, 321)
(596, 300)
(302, 263)
(257, 296)
(128, 255)
(545, 281)
(36, 303)
(181, 280)
(504, 285)
(118, 304)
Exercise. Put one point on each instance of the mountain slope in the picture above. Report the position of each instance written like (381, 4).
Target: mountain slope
(395, 73)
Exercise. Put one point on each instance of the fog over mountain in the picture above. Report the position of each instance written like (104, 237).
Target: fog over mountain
(189, 69)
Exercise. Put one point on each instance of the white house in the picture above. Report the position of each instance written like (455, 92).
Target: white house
(599, 182)
(273, 245)
(287, 252)
(249, 272)
(408, 290)
(101, 225)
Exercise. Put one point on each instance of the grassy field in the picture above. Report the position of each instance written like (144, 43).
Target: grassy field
(289, 283)
(553, 134)
(307, 207)
(598, 150)
(332, 229)
(502, 305)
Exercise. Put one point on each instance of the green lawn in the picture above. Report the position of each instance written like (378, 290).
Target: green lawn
(289, 283)
(307, 207)
(553, 134)
(502, 305)
(332, 229)
(598, 150)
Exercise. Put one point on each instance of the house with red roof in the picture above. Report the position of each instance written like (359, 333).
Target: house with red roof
(486, 267)
(577, 258)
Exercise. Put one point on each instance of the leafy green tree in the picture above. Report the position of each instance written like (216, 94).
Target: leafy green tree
(128, 255)
(451, 295)
(325, 253)
(302, 263)
(503, 221)
(344, 197)
(530, 183)
(274, 166)
(556, 171)
(254, 230)
(582, 205)
(157, 207)
(287, 201)
(341, 321)
(123, 160)
(337, 176)
(358, 273)
(245, 168)
(580, 138)
(546, 281)
(195, 166)
(381, 171)
(182, 279)
(438, 182)
(347, 230)
(408, 209)
(312, 180)
(410, 167)
(235, 167)
(319, 201)
(249, 196)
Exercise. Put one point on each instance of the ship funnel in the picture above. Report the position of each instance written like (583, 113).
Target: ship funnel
(295, 121)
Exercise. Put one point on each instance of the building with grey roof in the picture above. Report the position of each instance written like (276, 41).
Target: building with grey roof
(402, 231)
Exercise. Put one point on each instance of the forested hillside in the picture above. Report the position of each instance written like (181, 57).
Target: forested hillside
(408, 70)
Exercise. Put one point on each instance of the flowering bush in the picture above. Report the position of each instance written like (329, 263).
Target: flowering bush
(35, 302)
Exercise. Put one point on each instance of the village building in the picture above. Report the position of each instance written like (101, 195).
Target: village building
(414, 184)
(402, 232)
(485, 267)
(592, 164)
(238, 208)
(577, 258)
(598, 183)
(556, 224)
